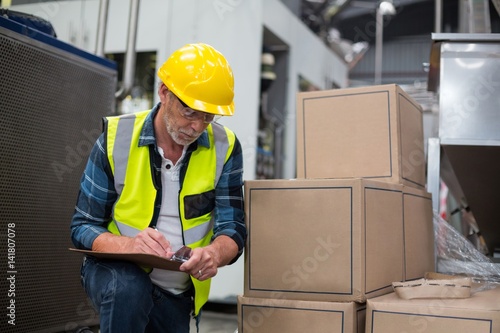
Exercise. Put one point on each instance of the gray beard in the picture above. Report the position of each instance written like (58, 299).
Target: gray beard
(175, 136)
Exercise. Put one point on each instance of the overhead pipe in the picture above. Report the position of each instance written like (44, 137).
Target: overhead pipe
(101, 27)
(385, 8)
(438, 18)
(130, 55)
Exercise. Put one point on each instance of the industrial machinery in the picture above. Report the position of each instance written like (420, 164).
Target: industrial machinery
(465, 71)
(53, 97)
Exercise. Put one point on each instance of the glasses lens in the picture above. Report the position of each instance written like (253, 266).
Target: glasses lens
(208, 118)
(194, 115)
(189, 114)
(211, 118)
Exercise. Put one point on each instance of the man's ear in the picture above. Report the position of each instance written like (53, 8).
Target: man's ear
(162, 92)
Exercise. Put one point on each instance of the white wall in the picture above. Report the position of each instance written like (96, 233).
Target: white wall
(74, 21)
(231, 26)
(235, 28)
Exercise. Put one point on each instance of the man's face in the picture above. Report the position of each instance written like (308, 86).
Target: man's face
(183, 124)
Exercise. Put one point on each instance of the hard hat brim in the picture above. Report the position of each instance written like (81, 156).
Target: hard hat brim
(197, 105)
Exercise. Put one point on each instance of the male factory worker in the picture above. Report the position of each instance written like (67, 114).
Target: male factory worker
(155, 181)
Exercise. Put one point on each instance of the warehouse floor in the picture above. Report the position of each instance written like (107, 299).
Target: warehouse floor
(217, 322)
(214, 320)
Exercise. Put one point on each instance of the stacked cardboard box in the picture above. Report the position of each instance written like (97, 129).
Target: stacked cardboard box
(372, 133)
(356, 219)
(277, 315)
(479, 314)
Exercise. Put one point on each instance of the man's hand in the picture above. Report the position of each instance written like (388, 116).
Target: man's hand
(205, 261)
(147, 241)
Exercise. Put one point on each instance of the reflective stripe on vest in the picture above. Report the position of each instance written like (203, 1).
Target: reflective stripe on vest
(121, 150)
(220, 142)
(123, 134)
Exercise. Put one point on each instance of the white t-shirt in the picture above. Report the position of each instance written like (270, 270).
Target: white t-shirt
(169, 225)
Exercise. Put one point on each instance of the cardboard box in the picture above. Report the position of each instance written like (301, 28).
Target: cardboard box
(479, 314)
(263, 315)
(371, 132)
(332, 240)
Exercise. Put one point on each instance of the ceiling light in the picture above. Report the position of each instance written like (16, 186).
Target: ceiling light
(386, 8)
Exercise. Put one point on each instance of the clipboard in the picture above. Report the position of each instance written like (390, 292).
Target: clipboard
(142, 259)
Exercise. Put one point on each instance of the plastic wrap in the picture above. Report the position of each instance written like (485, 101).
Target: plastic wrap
(456, 255)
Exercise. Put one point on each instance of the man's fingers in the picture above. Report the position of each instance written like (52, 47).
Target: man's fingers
(153, 241)
(200, 260)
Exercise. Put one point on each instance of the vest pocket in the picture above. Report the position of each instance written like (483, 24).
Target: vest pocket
(196, 205)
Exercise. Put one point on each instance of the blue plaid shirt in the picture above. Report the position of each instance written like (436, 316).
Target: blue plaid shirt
(97, 191)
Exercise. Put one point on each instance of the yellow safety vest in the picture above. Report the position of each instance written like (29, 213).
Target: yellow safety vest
(131, 168)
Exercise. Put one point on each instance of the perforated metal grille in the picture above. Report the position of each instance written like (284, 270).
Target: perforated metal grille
(51, 104)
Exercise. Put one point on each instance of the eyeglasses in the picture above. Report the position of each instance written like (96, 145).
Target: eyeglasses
(193, 115)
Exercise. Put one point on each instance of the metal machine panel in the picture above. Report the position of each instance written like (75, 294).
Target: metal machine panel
(52, 99)
(465, 70)
(469, 100)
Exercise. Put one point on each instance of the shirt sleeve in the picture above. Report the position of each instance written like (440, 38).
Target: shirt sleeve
(95, 199)
(229, 208)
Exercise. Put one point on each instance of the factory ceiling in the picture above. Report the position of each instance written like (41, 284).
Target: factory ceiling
(354, 20)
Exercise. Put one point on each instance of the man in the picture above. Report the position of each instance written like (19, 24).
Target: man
(155, 181)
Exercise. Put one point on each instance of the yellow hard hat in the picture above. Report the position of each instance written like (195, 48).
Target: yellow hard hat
(201, 77)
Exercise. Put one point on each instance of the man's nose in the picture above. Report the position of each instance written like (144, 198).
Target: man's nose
(198, 125)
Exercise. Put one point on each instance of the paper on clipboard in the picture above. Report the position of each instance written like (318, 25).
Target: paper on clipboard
(143, 259)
